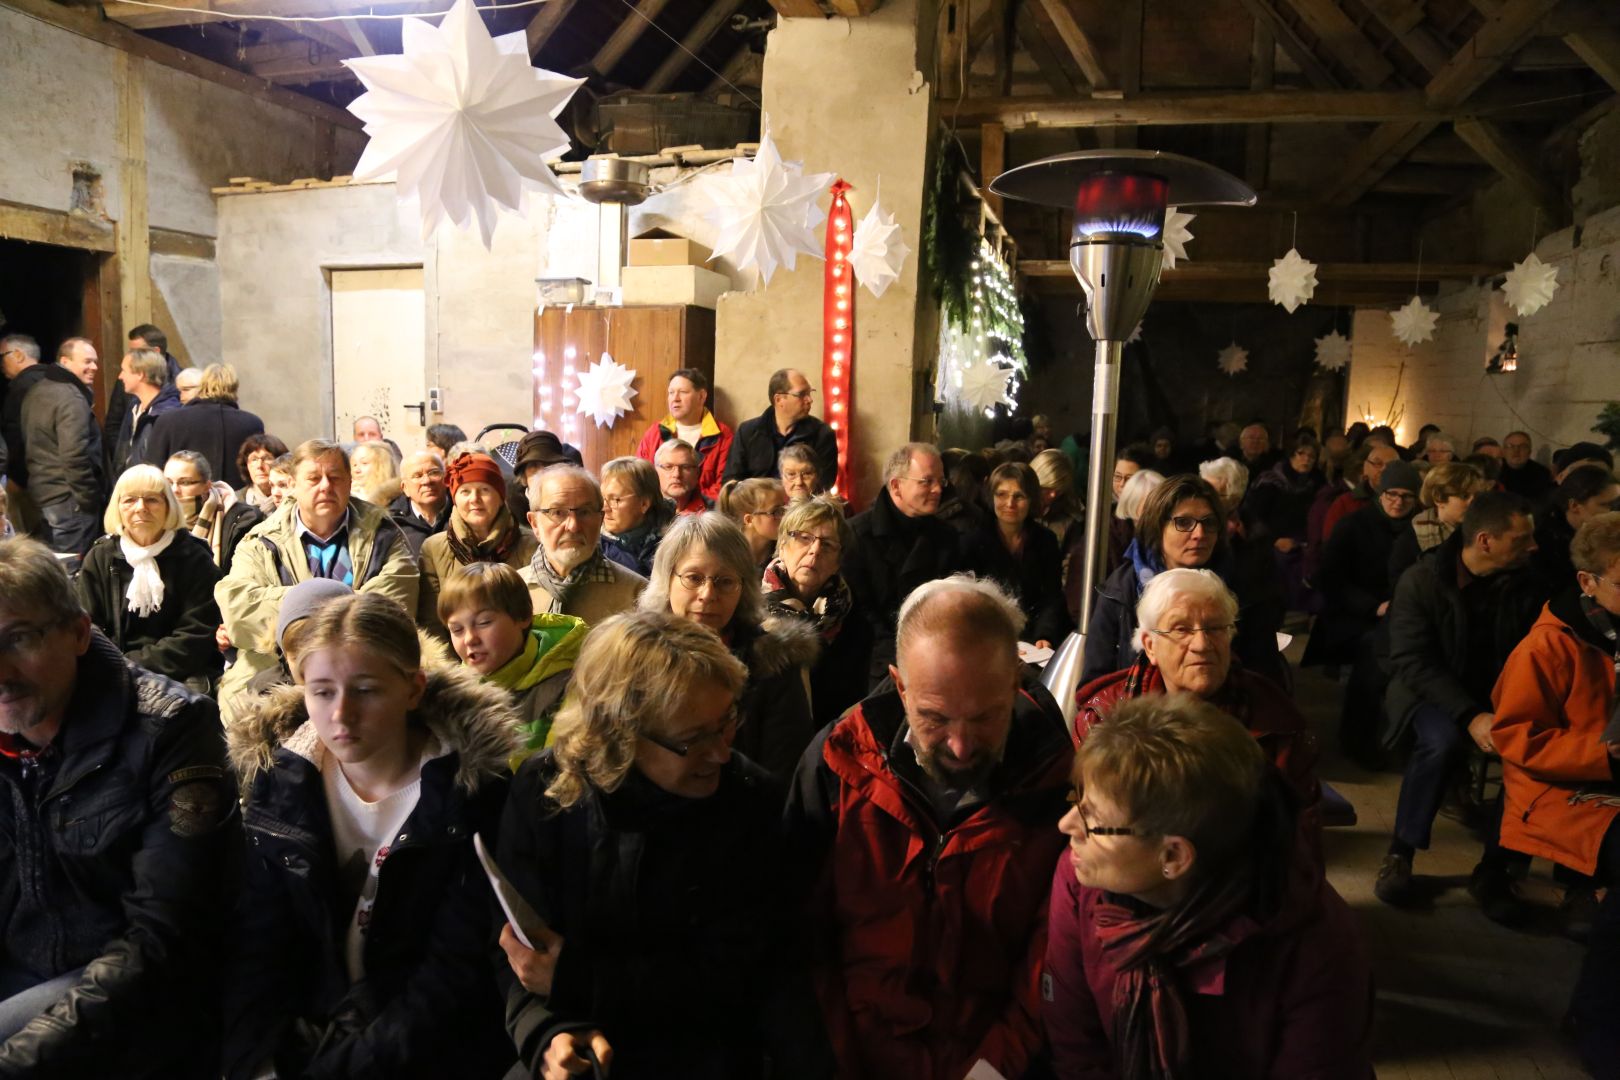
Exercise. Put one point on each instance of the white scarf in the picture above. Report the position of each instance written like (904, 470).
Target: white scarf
(145, 593)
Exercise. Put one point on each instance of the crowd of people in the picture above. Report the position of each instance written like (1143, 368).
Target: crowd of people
(678, 768)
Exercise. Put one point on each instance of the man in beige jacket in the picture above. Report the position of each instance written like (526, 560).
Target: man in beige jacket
(569, 575)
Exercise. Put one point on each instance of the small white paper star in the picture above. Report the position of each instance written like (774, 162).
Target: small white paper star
(1293, 280)
(984, 385)
(1136, 335)
(878, 251)
(605, 391)
(1176, 236)
(1233, 359)
(765, 210)
(1530, 285)
(1414, 323)
(1333, 351)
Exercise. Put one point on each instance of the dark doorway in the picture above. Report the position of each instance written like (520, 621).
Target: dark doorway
(43, 293)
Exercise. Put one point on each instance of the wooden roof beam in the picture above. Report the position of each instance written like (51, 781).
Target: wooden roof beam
(1599, 47)
(701, 34)
(1341, 37)
(1501, 152)
(798, 9)
(1404, 19)
(628, 32)
(200, 11)
(1316, 72)
(545, 23)
(1026, 24)
(1075, 39)
(1198, 107)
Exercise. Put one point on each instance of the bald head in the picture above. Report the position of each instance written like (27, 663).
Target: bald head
(959, 613)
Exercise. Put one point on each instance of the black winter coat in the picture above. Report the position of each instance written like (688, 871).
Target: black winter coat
(415, 529)
(177, 639)
(1353, 578)
(1035, 577)
(113, 857)
(133, 444)
(54, 448)
(674, 916)
(754, 452)
(1533, 480)
(119, 403)
(891, 556)
(215, 429)
(427, 1006)
(774, 707)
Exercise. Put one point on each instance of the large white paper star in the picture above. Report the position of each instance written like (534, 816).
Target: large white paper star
(878, 251)
(765, 210)
(1530, 285)
(1176, 236)
(1414, 323)
(605, 391)
(984, 385)
(461, 120)
(1333, 351)
(1233, 359)
(1292, 280)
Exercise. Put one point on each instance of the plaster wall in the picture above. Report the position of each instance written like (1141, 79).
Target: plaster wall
(845, 96)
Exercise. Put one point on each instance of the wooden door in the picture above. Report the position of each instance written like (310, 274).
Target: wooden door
(379, 365)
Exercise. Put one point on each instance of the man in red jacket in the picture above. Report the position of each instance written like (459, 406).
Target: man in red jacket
(690, 419)
(927, 814)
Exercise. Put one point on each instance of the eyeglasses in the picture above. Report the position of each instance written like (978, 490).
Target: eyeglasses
(803, 395)
(828, 545)
(613, 502)
(776, 513)
(559, 515)
(673, 467)
(1088, 830)
(1186, 523)
(723, 583)
(1397, 495)
(929, 483)
(727, 729)
(1181, 635)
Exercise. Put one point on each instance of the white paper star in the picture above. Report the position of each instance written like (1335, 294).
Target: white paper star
(1292, 280)
(878, 250)
(984, 385)
(1176, 236)
(1136, 335)
(1333, 351)
(1530, 285)
(765, 210)
(605, 391)
(1233, 359)
(461, 120)
(1414, 323)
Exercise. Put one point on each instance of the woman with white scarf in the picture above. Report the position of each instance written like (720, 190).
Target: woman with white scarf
(149, 585)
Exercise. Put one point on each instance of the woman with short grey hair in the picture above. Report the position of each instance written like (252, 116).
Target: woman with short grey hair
(803, 583)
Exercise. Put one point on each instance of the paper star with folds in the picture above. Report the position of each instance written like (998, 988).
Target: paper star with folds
(984, 385)
(1333, 351)
(1530, 285)
(1233, 359)
(1292, 280)
(1176, 236)
(1414, 323)
(878, 250)
(765, 210)
(604, 391)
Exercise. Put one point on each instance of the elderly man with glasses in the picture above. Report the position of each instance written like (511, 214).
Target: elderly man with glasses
(679, 469)
(785, 422)
(900, 543)
(569, 575)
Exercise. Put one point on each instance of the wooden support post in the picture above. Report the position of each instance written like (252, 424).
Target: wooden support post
(1600, 48)
(992, 162)
(1078, 43)
(133, 233)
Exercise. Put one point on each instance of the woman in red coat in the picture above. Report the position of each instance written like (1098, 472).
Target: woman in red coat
(1554, 705)
(1191, 929)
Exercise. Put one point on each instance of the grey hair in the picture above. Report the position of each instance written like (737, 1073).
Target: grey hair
(465, 446)
(900, 461)
(560, 472)
(983, 612)
(195, 459)
(1440, 437)
(1168, 585)
(1233, 475)
(22, 343)
(817, 510)
(720, 537)
(668, 445)
(1134, 494)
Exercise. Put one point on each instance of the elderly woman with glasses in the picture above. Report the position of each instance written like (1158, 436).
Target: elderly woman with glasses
(705, 572)
(1191, 929)
(803, 583)
(634, 513)
(649, 854)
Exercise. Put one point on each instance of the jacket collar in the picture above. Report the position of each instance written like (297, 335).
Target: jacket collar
(1566, 607)
(708, 426)
(97, 712)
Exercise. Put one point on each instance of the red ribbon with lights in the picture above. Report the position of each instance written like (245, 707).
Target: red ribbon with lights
(838, 333)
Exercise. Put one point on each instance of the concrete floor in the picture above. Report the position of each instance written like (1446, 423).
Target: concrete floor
(1458, 996)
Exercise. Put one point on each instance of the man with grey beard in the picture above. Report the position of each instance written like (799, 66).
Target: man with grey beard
(569, 575)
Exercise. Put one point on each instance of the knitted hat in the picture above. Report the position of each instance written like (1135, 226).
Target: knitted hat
(1400, 474)
(478, 469)
(305, 599)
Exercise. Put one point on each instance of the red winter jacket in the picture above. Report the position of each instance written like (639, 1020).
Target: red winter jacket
(933, 938)
(713, 448)
(1292, 1000)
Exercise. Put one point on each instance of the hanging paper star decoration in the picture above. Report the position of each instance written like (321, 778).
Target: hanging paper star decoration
(1414, 323)
(878, 250)
(765, 210)
(1530, 285)
(1136, 335)
(605, 391)
(1333, 351)
(1176, 236)
(461, 120)
(1233, 359)
(984, 385)
(1293, 280)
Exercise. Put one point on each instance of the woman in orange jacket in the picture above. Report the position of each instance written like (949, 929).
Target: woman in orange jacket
(1554, 703)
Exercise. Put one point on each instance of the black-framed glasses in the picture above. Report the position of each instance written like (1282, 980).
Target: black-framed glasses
(1181, 635)
(727, 730)
(1186, 523)
(776, 513)
(1088, 830)
(676, 467)
(831, 547)
(693, 581)
(1398, 495)
(559, 515)
(803, 395)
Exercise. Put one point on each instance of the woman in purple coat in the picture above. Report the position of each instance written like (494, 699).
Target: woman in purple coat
(1191, 930)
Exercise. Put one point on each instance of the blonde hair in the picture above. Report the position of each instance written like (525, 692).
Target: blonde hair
(219, 383)
(480, 585)
(1054, 470)
(142, 480)
(633, 676)
(368, 620)
(381, 458)
(1451, 479)
(1596, 543)
(739, 497)
(817, 510)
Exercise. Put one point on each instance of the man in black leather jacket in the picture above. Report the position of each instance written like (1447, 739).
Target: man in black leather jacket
(117, 816)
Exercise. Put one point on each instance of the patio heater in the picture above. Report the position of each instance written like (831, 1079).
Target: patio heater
(1119, 198)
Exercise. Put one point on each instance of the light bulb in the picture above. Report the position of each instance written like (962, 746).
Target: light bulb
(839, 323)
(842, 305)
(838, 339)
(837, 371)
(569, 353)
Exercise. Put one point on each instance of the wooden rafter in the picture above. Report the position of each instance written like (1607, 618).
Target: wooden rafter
(1483, 56)
(1262, 75)
(193, 12)
(294, 63)
(628, 32)
(1206, 107)
(1502, 152)
(545, 23)
(1026, 23)
(1404, 19)
(798, 9)
(696, 38)
(1599, 47)
(1345, 41)
(1075, 39)
(1316, 72)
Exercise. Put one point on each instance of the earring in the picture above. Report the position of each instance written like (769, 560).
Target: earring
(1167, 871)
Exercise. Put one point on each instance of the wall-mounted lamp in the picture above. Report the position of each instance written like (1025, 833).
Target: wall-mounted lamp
(1505, 360)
